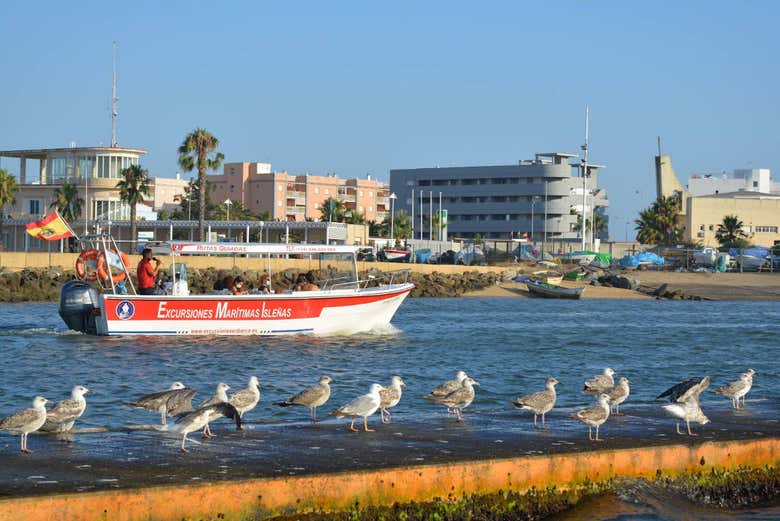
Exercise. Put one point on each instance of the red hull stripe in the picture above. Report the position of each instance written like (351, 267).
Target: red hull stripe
(230, 309)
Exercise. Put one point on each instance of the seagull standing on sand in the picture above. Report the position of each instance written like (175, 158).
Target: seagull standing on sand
(738, 389)
(312, 397)
(220, 396)
(594, 416)
(459, 399)
(200, 418)
(685, 405)
(176, 400)
(61, 417)
(541, 402)
(364, 406)
(390, 396)
(619, 394)
(246, 399)
(26, 421)
(600, 383)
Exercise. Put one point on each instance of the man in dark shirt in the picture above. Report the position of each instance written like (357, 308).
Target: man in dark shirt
(147, 274)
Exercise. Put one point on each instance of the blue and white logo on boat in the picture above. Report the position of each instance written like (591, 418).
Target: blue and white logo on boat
(125, 310)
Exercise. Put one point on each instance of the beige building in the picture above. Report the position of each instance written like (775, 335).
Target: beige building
(297, 197)
(759, 211)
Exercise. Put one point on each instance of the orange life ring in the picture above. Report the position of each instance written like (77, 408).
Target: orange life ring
(81, 264)
(101, 266)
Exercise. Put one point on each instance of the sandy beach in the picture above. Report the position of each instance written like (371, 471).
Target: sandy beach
(714, 286)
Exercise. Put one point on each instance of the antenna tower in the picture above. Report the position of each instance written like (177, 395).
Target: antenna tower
(114, 100)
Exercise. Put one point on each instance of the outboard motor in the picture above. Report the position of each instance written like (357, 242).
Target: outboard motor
(78, 302)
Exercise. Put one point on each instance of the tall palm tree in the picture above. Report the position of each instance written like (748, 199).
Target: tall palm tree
(355, 218)
(133, 187)
(646, 226)
(8, 189)
(661, 223)
(67, 202)
(729, 232)
(198, 150)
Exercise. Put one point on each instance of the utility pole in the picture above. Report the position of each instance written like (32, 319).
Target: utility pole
(440, 223)
(114, 101)
(584, 179)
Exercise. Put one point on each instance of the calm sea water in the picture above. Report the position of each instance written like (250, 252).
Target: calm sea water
(509, 345)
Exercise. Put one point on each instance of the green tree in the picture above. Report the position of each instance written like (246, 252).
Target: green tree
(332, 210)
(353, 217)
(401, 224)
(133, 187)
(377, 229)
(8, 189)
(729, 233)
(661, 223)
(67, 202)
(198, 150)
(189, 203)
(238, 212)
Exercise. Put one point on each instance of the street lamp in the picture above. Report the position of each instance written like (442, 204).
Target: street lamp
(533, 202)
(392, 198)
(228, 203)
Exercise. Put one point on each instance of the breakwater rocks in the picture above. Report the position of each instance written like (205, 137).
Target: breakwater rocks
(44, 284)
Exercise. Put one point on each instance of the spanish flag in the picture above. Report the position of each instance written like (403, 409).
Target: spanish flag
(51, 228)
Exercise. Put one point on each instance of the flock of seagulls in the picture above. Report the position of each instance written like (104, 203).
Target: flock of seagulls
(456, 395)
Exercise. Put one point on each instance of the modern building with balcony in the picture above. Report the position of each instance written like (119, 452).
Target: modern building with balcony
(539, 197)
(94, 171)
(289, 197)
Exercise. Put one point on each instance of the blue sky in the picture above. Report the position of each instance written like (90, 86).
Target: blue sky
(363, 87)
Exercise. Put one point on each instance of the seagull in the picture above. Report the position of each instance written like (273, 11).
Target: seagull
(594, 416)
(26, 421)
(541, 402)
(200, 418)
(600, 383)
(176, 400)
(448, 386)
(738, 389)
(390, 396)
(364, 406)
(312, 397)
(677, 390)
(460, 398)
(686, 404)
(220, 396)
(246, 399)
(619, 394)
(63, 415)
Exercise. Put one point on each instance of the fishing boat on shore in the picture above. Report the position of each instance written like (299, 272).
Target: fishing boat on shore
(543, 289)
(394, 255)
(549, 276)
(342, 304)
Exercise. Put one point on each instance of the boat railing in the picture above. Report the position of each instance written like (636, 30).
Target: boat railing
(389, 278)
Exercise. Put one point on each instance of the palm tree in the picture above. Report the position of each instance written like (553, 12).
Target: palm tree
(68, 202)
(401, 224)
(132, 189)
(661, 223)
(729, 233)
(353, 217)
(332, 210)
(8, 189)
(195, 152)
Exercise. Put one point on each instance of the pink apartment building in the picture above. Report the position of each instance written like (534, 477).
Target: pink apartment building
(297, 197)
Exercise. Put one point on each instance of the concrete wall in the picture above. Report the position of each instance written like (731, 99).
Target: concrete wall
(265, 497)
(666, 181)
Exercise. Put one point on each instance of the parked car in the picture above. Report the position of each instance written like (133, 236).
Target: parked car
(366, 254)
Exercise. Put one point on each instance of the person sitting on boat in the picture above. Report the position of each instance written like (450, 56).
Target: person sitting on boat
(300, 282)
(147, 275)
(228, 283)
(265, 284)
(309, 284)
(238, 287)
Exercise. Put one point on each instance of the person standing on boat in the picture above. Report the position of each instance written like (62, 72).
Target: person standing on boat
(147, 275)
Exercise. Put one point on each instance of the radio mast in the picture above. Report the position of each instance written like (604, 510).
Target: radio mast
(114, 100)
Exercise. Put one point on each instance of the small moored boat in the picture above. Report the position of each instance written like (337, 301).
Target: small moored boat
(550, 277)
(543, 289)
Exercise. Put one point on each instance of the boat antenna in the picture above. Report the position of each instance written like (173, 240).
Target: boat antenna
(114, 101)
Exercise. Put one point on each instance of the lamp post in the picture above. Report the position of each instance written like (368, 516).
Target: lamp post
(228, 203)
(533, 202)
(392, 198)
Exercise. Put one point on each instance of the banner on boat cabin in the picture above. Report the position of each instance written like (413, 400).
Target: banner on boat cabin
(51, 228)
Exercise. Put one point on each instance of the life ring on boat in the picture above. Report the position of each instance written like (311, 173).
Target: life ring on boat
(102, 272)
(86, 256)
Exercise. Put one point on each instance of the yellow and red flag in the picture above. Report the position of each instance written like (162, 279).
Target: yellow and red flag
(51, 228)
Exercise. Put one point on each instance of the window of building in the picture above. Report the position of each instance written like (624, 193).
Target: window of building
(766, 229)
(469, 181)
(279, 203)
(441, 182)
(87, 166)
(281, 188)
(361, 193)
(327, 191)
(316, 190)
(424, 182)
(371, 194)
(110, 210)
(33, 206)
(360, 209)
